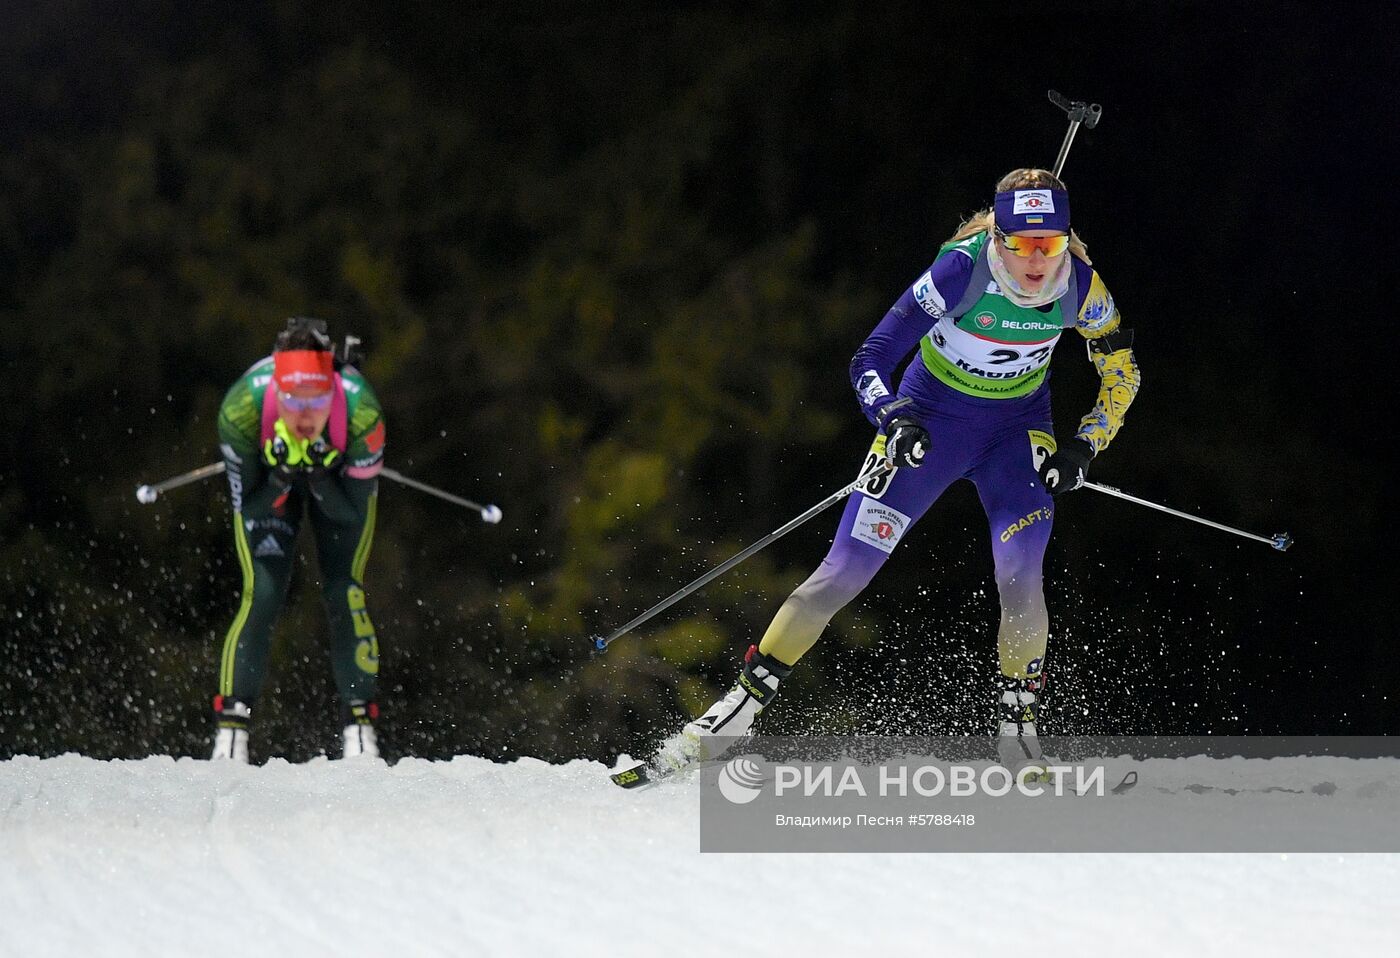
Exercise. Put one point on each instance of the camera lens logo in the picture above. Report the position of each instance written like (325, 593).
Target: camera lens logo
(741, 781)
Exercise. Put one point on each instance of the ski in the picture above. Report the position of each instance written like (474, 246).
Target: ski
(645, 774)
(1196, 788)
(640, 775)
(1126, 784)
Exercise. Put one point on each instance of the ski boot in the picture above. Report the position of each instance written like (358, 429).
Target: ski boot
(1018, 746)
(729, 719)
(231, 729)
(357, 737)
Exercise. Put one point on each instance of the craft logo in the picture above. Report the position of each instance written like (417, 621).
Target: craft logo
(1029, 519)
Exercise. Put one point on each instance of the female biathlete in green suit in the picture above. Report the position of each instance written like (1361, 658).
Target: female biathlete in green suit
(300, 437)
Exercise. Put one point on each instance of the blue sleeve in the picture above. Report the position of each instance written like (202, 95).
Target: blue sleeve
(1084, 279)
(939, 289)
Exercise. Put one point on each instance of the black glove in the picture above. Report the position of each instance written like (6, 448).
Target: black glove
(322, 460)
(1065, 470)
(906, 442)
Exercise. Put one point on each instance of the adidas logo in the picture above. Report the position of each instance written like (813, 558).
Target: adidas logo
(268, 547)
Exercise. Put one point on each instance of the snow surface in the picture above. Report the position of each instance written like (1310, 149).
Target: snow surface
(469, 857)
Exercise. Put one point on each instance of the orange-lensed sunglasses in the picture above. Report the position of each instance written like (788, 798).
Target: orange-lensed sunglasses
(1024, 246)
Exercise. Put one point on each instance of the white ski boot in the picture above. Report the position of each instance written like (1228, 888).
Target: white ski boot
(231, 734)
(1018, 746)
(357, 737)
(729, 719)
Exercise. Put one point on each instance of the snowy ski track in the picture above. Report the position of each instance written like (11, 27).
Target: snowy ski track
(470, 857)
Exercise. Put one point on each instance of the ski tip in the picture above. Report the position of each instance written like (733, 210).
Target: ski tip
(145, 495)
(1282, 541)
(599, 643)
(491, 514)
(635, 776)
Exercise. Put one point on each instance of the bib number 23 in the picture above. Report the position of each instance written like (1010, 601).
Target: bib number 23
(875, 487)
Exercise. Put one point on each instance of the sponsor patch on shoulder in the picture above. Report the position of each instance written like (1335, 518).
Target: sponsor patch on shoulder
(928, 296)
(374, 440)
(878, 525)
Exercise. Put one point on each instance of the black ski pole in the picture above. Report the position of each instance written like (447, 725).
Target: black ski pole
(1079, 113)
(1280, 541)
(601, 643)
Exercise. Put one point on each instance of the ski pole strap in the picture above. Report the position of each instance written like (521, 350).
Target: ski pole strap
(1281, 541)
(879, 470)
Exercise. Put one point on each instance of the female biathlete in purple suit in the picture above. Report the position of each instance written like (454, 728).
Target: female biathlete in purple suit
(974, 404)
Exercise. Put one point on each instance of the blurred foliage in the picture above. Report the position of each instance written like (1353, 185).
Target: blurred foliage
(609, 269)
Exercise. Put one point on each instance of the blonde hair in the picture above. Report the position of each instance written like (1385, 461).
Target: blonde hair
(1029, 178)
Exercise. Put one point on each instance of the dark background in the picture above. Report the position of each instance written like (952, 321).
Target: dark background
(610, 262)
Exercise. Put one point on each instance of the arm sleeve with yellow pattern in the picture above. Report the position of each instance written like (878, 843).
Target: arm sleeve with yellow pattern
(1119, 378)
